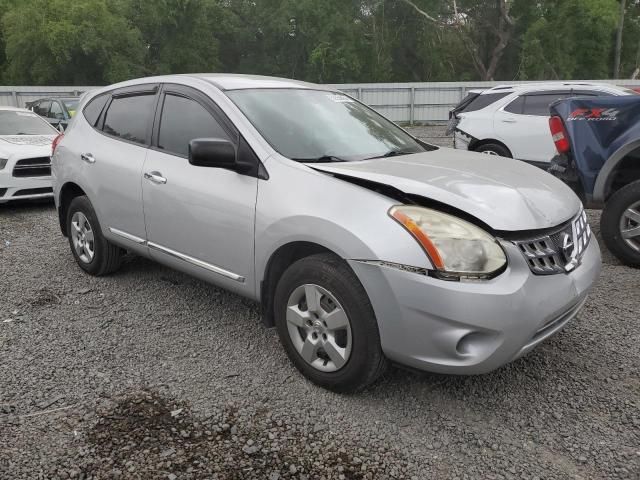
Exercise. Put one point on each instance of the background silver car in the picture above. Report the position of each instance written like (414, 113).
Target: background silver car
(362, 244)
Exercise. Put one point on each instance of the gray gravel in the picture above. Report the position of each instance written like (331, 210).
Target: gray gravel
(151, 374)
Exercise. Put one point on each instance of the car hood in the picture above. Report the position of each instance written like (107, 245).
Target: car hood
(21, 145)
(506, 194)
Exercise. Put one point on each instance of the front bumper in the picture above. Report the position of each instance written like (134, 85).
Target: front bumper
(23, 188)
(473, 327)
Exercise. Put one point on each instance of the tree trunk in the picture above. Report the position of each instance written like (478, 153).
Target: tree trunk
(618, 52)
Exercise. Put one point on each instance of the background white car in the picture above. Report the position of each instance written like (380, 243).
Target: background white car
(25, 155)
(513, 120)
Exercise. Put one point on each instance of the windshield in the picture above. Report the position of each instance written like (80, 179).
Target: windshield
(23, 123)
(72, 106)
(313, 125)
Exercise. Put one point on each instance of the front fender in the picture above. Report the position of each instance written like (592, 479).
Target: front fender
(347, 219)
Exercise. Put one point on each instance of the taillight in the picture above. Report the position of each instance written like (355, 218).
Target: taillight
(55, 143)
(559, 134)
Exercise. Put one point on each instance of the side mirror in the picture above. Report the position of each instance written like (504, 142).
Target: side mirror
(217, 153)
(212, 152)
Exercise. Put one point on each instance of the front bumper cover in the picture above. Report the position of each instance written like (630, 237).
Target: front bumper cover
(473, 327)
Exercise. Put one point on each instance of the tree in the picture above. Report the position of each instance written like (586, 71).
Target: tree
(485, 28)
(619, 31)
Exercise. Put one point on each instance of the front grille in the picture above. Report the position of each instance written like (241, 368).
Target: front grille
(32, 191)
(560, 251)
(33, 167)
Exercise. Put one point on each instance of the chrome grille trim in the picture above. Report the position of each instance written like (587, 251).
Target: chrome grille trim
(558, 252)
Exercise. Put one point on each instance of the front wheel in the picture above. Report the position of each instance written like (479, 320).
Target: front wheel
(326, 324)
(620, 224)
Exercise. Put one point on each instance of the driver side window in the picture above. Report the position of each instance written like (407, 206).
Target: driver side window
(182, 120)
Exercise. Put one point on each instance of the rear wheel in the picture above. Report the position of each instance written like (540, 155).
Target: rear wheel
(93, 253)
(494, 149)
(326, 324)
(620, 224)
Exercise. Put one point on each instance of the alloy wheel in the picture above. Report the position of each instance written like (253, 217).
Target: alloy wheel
(630, 226)
(319, 328)
(82, 237)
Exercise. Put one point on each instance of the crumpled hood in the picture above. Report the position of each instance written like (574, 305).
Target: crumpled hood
(505, 194)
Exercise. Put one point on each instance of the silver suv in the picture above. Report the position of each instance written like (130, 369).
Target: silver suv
(363, 244)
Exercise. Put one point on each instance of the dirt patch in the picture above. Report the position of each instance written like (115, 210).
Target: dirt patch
(146, 436)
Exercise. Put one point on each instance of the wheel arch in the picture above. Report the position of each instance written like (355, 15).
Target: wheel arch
(68, 192)
(614, 164)
(281, 259)
(478, 143)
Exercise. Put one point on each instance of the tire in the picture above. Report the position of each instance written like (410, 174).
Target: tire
(334, 285)
(494, 149)
(93, 253)
(616, 218)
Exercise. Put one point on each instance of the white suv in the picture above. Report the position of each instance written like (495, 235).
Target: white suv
(513, 120)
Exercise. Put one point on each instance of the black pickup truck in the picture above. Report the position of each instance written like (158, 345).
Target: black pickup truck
(598, 143)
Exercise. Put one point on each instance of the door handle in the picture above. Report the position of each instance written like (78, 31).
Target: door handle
(88, 157)
(508, 120)
(155, 177)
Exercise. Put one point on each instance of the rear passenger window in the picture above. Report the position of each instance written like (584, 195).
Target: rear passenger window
(128, 117)
(183, 120)
(94, 108)
(539, 104)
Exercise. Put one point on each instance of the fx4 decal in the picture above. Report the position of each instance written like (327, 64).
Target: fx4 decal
(593, 114)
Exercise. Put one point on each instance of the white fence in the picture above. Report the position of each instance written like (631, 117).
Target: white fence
(401, 102)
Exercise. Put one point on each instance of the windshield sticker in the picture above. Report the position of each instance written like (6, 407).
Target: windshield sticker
(340, 98)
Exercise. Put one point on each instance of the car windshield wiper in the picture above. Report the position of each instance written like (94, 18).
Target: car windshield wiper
(322, 159)
(391, 153)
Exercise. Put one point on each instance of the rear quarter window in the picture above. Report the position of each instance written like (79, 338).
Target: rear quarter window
(94, 108)
(128, 117)
(484, 100)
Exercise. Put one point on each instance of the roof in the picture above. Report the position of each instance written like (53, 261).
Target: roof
(550, 86)
(229, 81)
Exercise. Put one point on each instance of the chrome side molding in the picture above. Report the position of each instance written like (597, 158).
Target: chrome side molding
(178, 255)
(128, 236)
(198, 263)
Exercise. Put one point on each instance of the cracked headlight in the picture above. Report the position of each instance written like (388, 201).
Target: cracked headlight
(456, 248)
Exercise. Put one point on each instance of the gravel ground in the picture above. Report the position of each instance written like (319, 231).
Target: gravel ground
(151, 374)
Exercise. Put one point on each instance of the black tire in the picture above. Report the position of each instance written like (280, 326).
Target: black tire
(610, 229)
(366, 362)
(107, 257)
(494, 148)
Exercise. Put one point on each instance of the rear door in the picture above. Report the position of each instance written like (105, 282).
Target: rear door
(113, 159)
(523, 125)
(198, 219)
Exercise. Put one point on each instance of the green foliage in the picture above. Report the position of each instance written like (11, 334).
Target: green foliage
(570, 39)
(330, 41)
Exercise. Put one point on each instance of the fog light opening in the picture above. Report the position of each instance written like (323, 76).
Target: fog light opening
(471, 344)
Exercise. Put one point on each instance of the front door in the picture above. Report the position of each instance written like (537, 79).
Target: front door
(198, 219)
